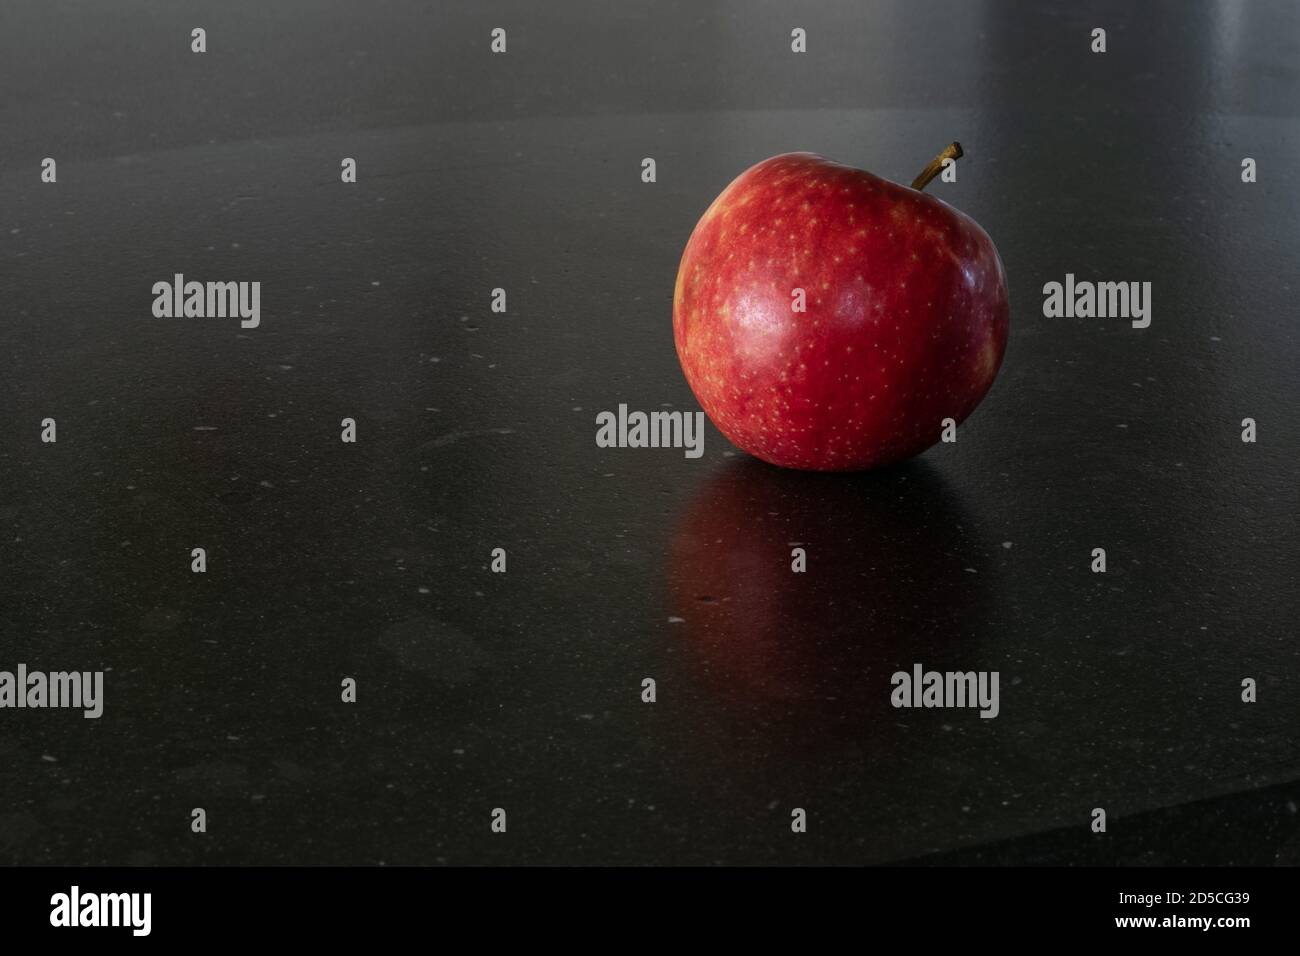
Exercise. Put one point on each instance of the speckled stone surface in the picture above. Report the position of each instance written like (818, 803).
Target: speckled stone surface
(476, 431)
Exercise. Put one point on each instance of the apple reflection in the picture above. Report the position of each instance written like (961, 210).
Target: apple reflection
(805, 658)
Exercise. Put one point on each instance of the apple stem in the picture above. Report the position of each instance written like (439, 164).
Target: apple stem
(951, 151)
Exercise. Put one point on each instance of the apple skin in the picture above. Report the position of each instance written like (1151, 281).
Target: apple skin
(905, 322)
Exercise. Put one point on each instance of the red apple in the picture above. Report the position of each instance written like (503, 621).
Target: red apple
(904, 321)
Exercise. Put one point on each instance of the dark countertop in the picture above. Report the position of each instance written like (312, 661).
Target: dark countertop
(476, 430)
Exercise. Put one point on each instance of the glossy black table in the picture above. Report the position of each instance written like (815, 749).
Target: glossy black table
(476, 431)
